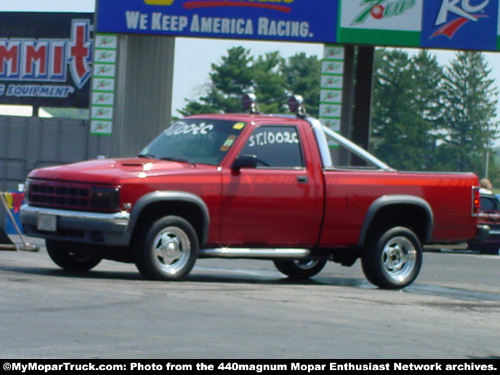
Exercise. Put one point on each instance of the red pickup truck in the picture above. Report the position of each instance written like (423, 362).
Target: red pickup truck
(248, 186)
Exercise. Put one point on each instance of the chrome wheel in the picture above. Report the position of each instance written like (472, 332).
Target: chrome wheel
(167, 249)
(399, 257)
(392, 258)
(172, 249)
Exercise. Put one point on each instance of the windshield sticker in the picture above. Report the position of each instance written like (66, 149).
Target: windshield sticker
(269, 138)
(228, 143)
(181, 128)
(239, 126)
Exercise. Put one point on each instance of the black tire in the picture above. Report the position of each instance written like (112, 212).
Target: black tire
(300, 269)
(167, 250)
(392, 258)
(68, 259)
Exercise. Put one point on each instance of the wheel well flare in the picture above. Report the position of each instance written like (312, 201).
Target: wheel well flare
(414, 217)
(190, 210)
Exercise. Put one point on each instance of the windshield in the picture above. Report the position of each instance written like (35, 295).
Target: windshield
(201, 141)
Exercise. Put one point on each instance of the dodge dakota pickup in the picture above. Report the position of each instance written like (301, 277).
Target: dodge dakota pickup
(249, 186)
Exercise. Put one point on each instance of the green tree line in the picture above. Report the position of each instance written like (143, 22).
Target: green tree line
(270, 77)
(431, 117)
(425, 116)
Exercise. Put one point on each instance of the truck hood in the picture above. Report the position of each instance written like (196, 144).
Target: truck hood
(113, 171)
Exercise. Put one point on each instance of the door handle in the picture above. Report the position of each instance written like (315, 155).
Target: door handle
(302, 179)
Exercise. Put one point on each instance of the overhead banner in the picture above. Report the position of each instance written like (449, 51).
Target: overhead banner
(444, 24)
(280, 20)
(45, 58)
(466, 24)
(498, 31)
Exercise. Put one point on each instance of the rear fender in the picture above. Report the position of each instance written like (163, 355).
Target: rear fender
(403, 201)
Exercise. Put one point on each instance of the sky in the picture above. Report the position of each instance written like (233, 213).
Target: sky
(190, 74)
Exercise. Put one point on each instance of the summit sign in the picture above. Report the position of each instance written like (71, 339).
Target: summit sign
(49, 64)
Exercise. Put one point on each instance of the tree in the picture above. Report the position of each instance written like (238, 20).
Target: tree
(427, 104)
(405, 108)
(268, 83)
(229, 80)
(428, 93)
(303, 77)
(470, 100)
(391, 105)
(430, 118)
(270, 77)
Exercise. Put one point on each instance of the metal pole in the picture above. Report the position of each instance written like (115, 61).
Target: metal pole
(487, 163)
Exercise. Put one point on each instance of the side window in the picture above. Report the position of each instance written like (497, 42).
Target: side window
(275, 147)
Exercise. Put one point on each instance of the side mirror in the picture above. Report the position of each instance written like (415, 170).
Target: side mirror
(244, 161)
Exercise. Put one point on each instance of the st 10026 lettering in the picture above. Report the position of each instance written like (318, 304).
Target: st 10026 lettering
(269, 138)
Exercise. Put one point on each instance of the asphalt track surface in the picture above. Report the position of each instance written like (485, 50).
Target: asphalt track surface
(237, 309)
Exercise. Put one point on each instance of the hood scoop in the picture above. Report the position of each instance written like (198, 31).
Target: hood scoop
(132, 165)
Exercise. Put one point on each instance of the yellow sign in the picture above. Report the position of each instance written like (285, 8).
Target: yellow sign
(159, 2)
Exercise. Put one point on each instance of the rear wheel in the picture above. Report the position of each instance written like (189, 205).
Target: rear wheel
(167, 250)
(69, 259)
(300, 269)
(392, 259)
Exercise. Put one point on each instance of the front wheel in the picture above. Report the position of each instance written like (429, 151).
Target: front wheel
(167, 250)
(392, 259)
(70, 259)
(300, 269)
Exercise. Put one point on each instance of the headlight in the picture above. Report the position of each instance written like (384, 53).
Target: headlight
(104, 198)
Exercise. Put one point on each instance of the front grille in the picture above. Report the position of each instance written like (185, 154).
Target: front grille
(59, 195)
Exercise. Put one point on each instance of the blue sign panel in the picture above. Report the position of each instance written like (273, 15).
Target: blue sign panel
(285, 20)
(460, 24)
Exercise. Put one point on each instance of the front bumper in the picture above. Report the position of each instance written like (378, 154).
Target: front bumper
(75, 226)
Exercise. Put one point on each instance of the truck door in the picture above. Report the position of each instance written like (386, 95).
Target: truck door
(275, 203)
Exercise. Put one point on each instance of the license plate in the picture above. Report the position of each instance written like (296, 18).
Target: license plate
(47, 223)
